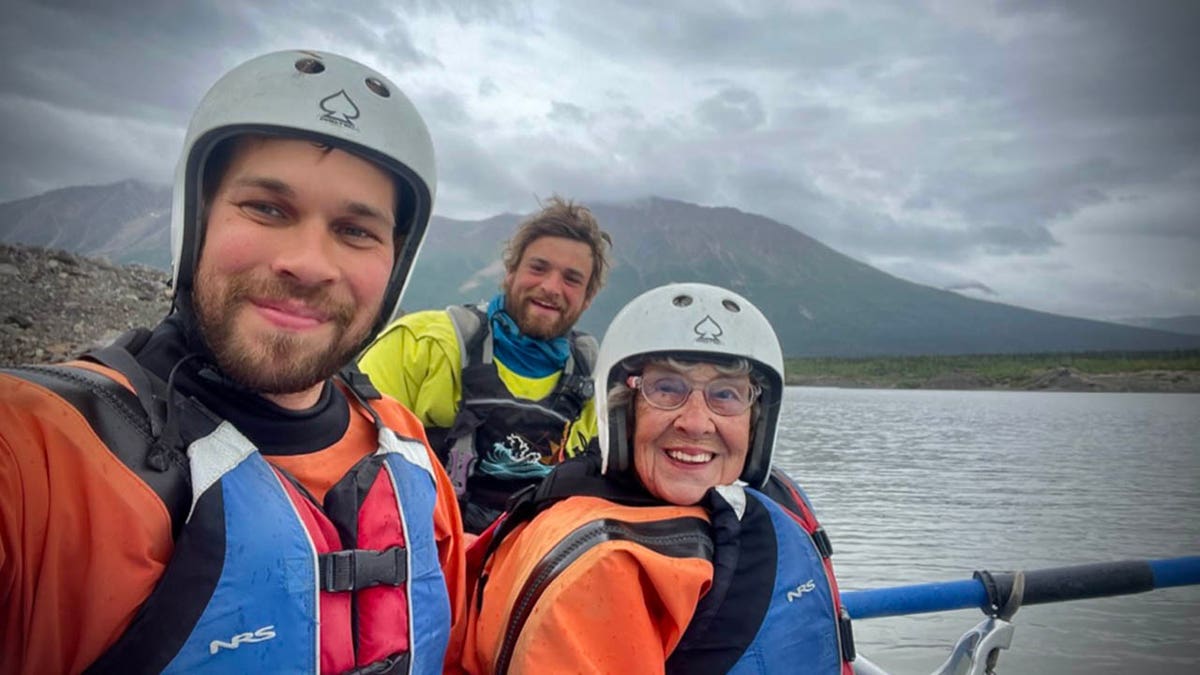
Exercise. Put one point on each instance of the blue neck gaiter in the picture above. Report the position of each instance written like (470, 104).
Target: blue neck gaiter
(526, 356)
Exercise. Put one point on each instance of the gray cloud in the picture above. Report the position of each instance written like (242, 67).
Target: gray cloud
(124, 60)
(488, 86)
(100, 91)
(1003, 146)
(568, 113)
(732, 35)
(109, 56)
(474, 11)
(732, 109)
(100, 149)
(1014, 111)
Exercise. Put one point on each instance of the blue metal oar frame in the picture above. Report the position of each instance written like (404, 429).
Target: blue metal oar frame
(989, 591)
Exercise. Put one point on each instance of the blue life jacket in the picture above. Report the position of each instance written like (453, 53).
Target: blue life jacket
(252, 587)
(776, 605)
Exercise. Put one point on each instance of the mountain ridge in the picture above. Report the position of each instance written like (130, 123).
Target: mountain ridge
(126, 222)
(821, 302)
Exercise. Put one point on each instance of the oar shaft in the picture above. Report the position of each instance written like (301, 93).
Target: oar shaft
(915, 599)
(1176, 571)
(1054, 584)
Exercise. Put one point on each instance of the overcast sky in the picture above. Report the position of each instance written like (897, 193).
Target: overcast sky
(1043, 154)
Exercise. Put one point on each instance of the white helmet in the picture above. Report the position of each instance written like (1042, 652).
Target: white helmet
(320, 96)
(690, 321)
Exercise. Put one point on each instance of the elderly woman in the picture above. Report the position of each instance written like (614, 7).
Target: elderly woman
(675, 548)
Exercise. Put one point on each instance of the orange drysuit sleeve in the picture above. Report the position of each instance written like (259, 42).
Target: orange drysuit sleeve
(82, 539)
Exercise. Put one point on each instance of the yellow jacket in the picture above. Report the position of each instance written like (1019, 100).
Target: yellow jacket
(416, 360)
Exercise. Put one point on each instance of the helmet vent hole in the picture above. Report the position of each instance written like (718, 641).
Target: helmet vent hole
(682, 300)
(378, 87)
(310, 66)
(731, 305)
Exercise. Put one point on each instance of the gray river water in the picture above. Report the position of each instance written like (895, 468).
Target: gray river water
(921, 486)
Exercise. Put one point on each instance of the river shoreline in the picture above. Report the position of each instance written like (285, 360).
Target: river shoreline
(1052, 379)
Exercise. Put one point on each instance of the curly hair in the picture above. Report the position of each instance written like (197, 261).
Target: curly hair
(563, 218)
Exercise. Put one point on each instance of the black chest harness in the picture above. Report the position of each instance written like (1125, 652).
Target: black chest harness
(491, 418)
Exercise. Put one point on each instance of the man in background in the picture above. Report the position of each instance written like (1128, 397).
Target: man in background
(504, 388)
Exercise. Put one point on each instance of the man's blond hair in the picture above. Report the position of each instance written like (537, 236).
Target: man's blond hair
(563, 218)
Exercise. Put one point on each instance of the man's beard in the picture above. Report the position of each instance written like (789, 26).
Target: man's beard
(281, 363)
(538, 327)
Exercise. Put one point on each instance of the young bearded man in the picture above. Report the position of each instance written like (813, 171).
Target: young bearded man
(211, 495)
(504, 388)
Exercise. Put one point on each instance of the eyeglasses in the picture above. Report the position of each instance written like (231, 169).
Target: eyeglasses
(723, 396)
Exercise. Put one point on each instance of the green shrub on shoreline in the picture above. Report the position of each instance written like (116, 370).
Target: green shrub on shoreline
(986, 370)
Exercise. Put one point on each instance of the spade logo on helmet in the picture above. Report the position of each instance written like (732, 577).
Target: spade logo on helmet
(339, 109)
(709, 331)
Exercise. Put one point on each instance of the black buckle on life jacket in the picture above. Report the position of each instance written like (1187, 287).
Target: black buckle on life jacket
(359, 568)
(360, 382)
(821, 539)
(392, 665)
(580, 386)
(572, 394)
(846, 635)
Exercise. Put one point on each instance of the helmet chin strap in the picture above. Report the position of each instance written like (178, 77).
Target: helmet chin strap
(193, 337)
(196, 346)
(758, 464)
(618, 459)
